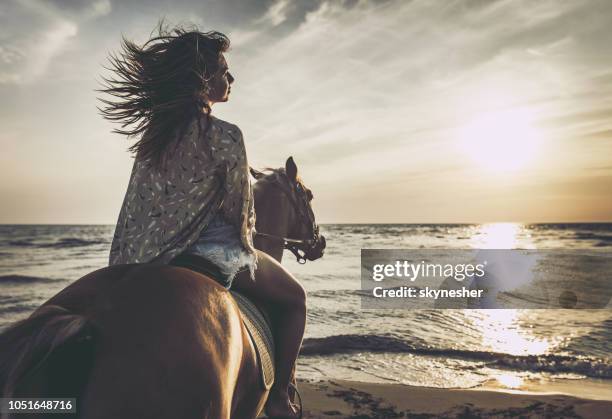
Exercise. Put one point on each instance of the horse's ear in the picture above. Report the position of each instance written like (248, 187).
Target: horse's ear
(291, 169)
(256, 173)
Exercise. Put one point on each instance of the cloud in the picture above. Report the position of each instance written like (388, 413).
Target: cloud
(83, 10)
(48, 44)
(276, 14)
(28, 49)
(9, 55)
(367, 95)
(375, 73)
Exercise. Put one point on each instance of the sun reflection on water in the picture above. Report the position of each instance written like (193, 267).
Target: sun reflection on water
(507, 331)
(502, 236)
(509, 380)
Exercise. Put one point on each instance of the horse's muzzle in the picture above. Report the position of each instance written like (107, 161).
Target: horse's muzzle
(317, 250)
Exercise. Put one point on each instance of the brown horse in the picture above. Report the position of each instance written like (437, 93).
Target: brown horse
(147, 341)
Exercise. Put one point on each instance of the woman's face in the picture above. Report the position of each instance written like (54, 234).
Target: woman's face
(220, 83)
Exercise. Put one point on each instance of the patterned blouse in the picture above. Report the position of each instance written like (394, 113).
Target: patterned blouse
(164, 210)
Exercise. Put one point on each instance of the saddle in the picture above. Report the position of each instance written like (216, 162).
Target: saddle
(256, 321)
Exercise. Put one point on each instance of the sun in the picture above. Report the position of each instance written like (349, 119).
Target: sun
(500, 141)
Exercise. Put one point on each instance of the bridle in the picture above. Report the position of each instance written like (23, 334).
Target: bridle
(303, 249)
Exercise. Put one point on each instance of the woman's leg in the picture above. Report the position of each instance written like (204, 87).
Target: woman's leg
(275, 286)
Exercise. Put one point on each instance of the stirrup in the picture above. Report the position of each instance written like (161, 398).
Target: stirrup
(299, 397)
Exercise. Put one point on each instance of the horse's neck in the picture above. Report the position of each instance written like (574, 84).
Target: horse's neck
(272, 216)
(275, 251)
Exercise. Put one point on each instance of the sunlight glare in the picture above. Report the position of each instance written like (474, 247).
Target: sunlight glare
(500, 141)
(496, 236)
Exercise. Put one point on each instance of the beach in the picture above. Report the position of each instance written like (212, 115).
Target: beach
(352, 399)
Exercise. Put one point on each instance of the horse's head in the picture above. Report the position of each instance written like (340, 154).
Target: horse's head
(285, 219)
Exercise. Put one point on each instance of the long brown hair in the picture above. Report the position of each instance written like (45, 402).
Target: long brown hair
(160, 86)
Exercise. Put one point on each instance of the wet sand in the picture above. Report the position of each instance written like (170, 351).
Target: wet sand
(357, 400)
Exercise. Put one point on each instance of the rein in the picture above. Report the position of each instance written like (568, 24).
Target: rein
(293, 245)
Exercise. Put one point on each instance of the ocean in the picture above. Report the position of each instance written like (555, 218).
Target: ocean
(434, 348)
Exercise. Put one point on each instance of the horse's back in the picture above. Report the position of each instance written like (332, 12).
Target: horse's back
(167, 342)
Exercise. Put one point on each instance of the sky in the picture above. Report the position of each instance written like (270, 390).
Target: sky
(395, 111)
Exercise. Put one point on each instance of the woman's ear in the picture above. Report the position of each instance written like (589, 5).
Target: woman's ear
(291, 169)
(256, 173)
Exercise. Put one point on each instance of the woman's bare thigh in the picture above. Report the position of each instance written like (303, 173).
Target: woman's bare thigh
(273, 283)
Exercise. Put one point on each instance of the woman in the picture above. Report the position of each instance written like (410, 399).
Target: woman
(189, 191)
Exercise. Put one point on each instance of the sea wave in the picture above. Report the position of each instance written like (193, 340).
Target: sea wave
(23, 279)
(18, 308)
(550, 363)
(66, 242)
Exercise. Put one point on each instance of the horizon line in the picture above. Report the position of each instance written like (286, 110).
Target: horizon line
(358, 223)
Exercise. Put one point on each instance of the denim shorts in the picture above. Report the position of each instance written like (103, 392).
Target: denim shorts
(220, 244)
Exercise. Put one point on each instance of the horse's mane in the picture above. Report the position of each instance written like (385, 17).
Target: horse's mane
(272, 175)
